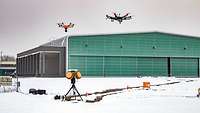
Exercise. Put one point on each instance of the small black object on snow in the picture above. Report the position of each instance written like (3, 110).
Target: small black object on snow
(41, 91)
(57, 97)
(35, 92)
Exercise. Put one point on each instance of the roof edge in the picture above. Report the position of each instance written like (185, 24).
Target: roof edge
(121, 33)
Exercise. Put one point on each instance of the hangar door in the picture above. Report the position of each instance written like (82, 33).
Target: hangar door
(119, 66)
(51, 64)
(182, 67)
(152, 66)
(135, 66)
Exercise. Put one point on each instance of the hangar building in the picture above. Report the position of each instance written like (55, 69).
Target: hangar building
(105, 55)
(135, 54)
(47, 60)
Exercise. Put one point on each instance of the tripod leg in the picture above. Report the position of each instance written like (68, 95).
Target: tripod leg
(68, 91)
(74, 93)
(78, 92)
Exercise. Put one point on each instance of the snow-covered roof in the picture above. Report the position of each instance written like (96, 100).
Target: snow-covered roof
(60, 42)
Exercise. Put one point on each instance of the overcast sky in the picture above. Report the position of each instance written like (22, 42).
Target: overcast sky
(25, 24)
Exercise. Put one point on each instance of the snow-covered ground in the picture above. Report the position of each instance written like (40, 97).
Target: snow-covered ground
(174, 98)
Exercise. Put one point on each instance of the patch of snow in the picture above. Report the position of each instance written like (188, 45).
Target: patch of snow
(174, 98)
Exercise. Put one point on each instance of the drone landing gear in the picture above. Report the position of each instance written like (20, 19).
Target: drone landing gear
(74, 89)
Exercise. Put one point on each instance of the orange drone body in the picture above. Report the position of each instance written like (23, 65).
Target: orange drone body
(65, 26)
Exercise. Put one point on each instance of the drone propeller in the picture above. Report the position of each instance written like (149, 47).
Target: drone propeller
(107, 17)
(59, 25)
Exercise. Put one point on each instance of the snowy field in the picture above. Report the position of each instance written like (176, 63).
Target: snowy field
(173, 98)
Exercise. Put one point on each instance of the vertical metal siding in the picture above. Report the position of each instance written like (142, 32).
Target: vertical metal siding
(134, 54)
(182, 67)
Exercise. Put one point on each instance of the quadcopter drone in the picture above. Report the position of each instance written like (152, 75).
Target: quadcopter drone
(118, 17)
(65, 26)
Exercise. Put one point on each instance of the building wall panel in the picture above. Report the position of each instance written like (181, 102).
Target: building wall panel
(182, 67)
(134, 54)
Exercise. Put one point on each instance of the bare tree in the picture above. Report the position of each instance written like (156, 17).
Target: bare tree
(6, 57)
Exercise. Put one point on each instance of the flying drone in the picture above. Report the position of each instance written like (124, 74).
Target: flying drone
(65, 26)
(119, 18)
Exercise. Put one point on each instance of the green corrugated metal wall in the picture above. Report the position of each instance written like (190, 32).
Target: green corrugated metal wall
(134, 54)
(184, 66)
(117, 66)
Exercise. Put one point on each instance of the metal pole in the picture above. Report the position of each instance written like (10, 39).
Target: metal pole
(17, 83)
(17, 90)
(1, 58)
(16, 74)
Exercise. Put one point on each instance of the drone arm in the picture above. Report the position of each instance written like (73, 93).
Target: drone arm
(127, 18)
(115, 14)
